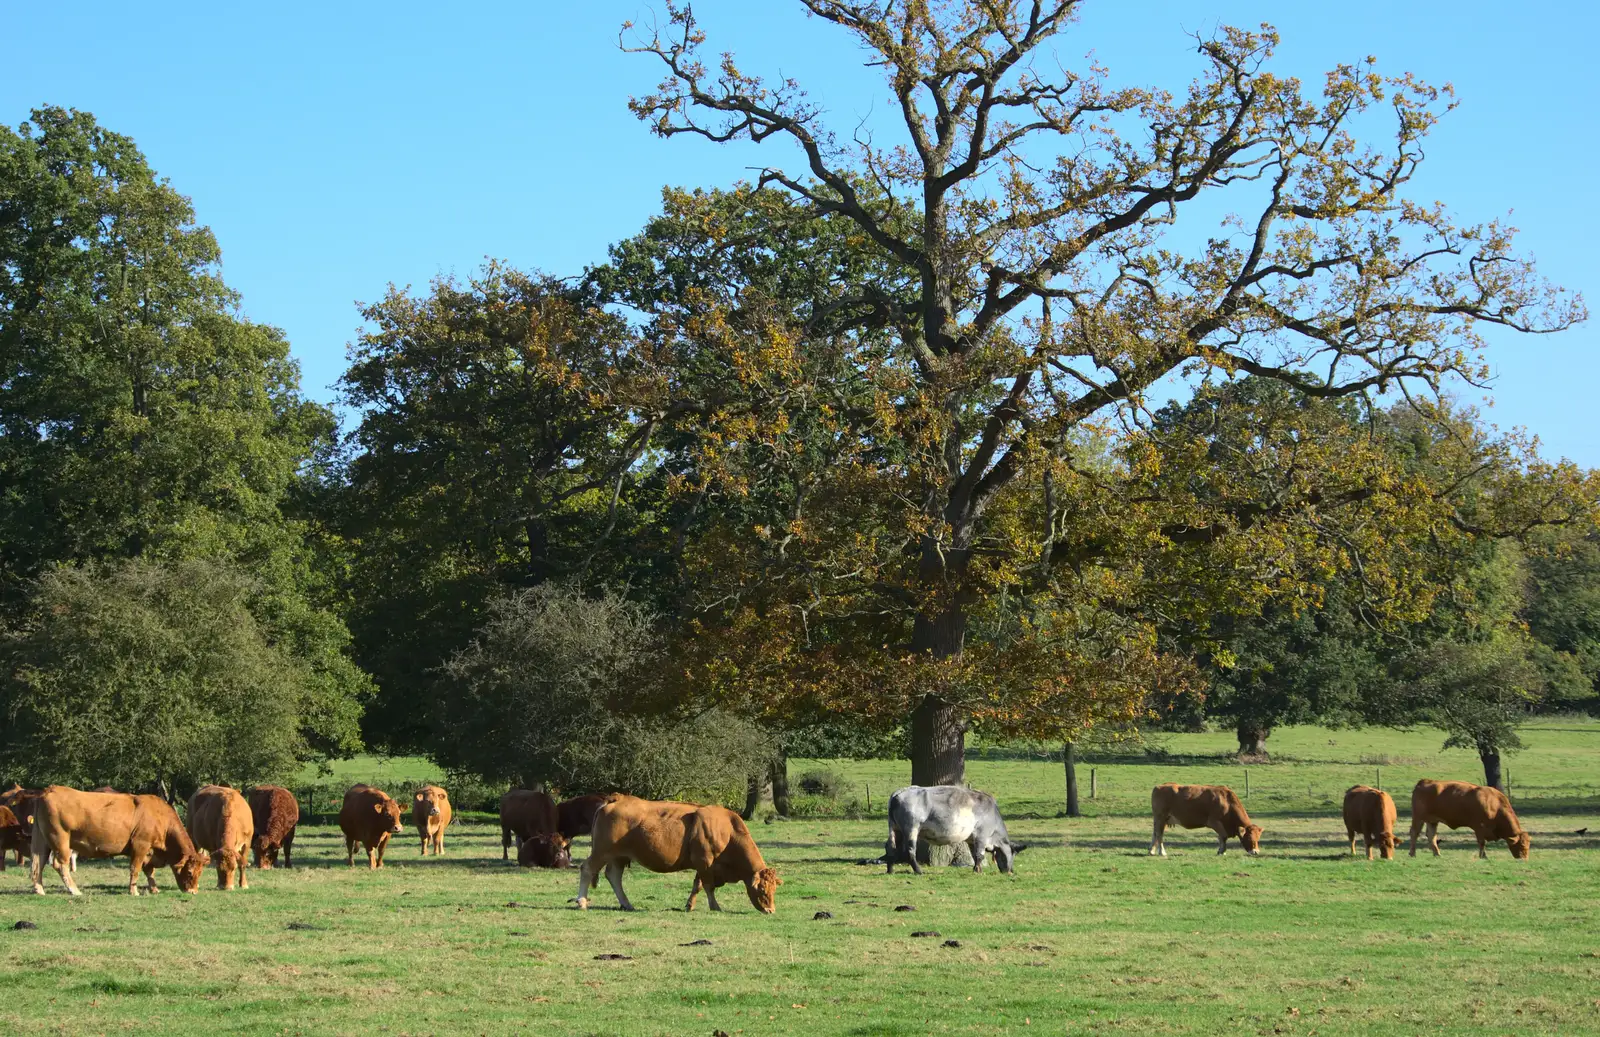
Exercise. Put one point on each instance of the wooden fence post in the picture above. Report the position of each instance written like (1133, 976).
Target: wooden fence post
(1247, 783)
(1093, 786)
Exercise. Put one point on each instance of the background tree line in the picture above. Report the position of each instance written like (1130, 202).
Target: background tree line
(853, 459)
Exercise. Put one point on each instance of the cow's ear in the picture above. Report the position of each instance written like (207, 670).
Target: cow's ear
(377, 808)
(30, 819)
(419, 797)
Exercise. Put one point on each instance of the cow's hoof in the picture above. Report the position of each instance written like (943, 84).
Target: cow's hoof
(583, 903)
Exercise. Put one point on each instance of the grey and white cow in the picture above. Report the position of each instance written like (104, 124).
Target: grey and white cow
(944, 815)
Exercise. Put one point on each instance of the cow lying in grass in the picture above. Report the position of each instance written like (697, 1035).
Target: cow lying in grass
(98, 824)
(1459, 804)
(711, 841)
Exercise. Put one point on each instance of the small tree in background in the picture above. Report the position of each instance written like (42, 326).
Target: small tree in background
(567, 689)
(142, 675)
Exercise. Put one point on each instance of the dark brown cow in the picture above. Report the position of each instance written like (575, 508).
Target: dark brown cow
(20, 802)
(368, 817)
(12, 836)
(1369, 812)
(575, 816)
(1202, 806)
(220, 822)
(545, 850)
(1460, 804)
(523, 815)
(275, 813)
(711, 841)
(145, 829)
(430, 814)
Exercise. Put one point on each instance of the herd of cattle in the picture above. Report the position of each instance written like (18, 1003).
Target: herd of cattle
(57, 825)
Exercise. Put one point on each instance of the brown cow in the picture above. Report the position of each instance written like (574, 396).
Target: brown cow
(1460, 804)
(430, 812)
(12, 836)
(20, 802)
(523, 815)
(220, 822)
(275, 813)
(1202, 806)
(545, 850)
(575, 816)
(145, 829)
(368, 817)
(711, 841)
(1370, 812)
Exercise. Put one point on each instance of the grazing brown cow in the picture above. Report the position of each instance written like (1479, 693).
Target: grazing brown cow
(1369, 812)
(368, 817)
(711, 841)
(145, 829)
(275, 813)
(523, 815)
(430, 812)
(1460, 804)
(12, 836)
(575, 816)
(221, 823)
(1202, 806)
(545, 850)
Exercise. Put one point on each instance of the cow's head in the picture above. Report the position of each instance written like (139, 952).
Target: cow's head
(1005, 857)
(1250, 839)
(1520, 844)
(228, 862)
(187, 870)
(545, 850)
(763, 890)
(390, 811)
(428, 802)
(1386, 845)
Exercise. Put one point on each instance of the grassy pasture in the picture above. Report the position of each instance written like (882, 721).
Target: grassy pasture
(1092, 935)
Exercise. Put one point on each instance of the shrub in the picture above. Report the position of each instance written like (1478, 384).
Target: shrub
(828, 784)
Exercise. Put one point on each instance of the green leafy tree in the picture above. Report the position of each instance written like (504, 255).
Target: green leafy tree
(490, 455)
(144, 675)
(140, 415)
(946, 551)
(566, 689)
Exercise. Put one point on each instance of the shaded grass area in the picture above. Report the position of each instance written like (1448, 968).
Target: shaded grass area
(1091, 936)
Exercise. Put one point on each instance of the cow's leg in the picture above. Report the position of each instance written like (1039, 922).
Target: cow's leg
(1351, 832)
(891, 849)
(1483, 846)
(60, 863)
(1416, 829)
(244, 865)
(711, 893)
(911, 848)
(150, 876)
(694, 890)
(1222, 839)
(438, 843)
(136, 864)
(975, 847)
(1433, 836)
(350, 851)
(588, 874)
(383, 844)
(36, 872)
(1158, 832)
(614, 876)
(1366, 837)
(505, 842)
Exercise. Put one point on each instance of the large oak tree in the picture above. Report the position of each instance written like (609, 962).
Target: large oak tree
(1059, 242)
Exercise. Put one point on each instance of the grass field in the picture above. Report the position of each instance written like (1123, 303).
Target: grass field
(1091, 936)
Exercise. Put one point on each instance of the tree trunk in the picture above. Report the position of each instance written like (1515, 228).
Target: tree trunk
(938, 744)
(1491, 766)
(778, 775)
(1070, 755)
(757, 789)
(1253, 738)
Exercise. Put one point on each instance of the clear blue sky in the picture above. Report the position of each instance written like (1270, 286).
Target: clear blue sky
(336, 147)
